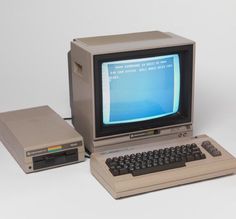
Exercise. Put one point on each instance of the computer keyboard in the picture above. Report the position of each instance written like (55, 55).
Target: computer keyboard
(149, 166)
(157, 160)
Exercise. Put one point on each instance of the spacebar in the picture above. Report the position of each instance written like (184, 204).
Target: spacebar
(158, 168)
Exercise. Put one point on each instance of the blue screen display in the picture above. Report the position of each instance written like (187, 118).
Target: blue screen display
(140, 89)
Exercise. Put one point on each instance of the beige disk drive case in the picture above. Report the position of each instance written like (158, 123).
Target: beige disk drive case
(38, 138)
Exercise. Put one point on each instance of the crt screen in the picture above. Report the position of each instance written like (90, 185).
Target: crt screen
(140, 89)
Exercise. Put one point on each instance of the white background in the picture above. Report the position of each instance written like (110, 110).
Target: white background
(34, 40)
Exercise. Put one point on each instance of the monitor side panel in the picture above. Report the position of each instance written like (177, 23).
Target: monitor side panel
(70, 79)
(81, 93)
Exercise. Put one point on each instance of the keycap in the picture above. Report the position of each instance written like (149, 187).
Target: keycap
(114, 172)
(115, 159)
(112, 164)
(108, 160)
(121, 158)
(197, 156)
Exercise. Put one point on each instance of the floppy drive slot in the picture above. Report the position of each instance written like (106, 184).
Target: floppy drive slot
(53, 159)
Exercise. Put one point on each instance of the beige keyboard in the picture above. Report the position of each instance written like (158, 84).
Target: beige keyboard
(154, 166)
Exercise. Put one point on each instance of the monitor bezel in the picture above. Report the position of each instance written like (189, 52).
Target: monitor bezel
(184, 113)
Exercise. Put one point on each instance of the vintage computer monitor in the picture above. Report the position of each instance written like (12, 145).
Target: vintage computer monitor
(132, 97)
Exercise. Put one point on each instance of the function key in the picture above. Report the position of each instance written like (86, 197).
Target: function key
(211, 149)
(205, 143)
(216, 153)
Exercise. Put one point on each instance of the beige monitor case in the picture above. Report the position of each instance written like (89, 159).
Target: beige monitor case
(81, 77)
